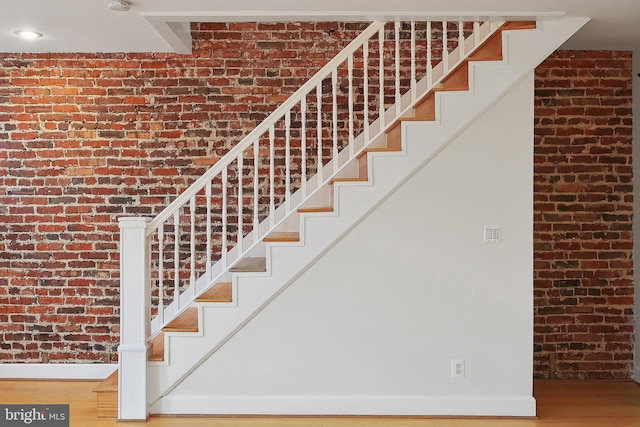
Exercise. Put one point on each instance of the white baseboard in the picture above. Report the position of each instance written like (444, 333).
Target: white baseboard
(68, 371)
(636, 374)
(348, 405)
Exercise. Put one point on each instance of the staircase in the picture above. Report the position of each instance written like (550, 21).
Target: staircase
(301, 181)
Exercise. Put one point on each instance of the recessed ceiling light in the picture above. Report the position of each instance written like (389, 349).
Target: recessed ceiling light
(28, 34)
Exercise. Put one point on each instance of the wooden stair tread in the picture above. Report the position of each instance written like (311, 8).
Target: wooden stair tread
(490, 50)
(220, 292)
(187, 321)
(519, 25)
(315, 209)
(414, 119)
(283, 236)
(107, 397)
(248, 265)
(349, 179)
(457, 77)
(383, 149)
(425, 109)
(485, 57)
(108, 384)
(377, 150)
(451, 88)
(156, 350)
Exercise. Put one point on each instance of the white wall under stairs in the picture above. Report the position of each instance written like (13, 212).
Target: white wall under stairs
(372, 326)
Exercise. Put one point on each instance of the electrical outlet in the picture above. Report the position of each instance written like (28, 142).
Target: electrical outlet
(457, 368)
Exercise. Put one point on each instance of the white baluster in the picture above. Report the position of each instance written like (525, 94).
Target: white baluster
(334, 85)
(365, 59)
(192, 246)
(303, 146)
(161, 274)
(176, 258)
(207, 191)
(350, 72)
(397, 67)
(240, 231)
(287, 162)
(256, 166)
(461, 39)
(429, 57)
(445, 47)
(413, 61)
(319, 132)
(272, 175)
(223, 215)
(381, 77)
(476, 33)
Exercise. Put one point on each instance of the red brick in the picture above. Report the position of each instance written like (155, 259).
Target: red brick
(604, 258)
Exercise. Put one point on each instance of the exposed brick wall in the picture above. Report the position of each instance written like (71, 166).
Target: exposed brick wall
(85, 139)
(583, 216)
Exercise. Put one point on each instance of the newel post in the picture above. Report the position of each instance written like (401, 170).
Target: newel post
(134, 319)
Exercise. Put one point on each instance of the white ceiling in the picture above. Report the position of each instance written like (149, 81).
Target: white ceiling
(159, 25)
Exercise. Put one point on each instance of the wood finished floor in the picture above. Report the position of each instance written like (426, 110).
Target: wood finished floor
(560, 404)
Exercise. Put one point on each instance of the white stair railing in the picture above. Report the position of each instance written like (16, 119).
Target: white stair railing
(224, 215)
